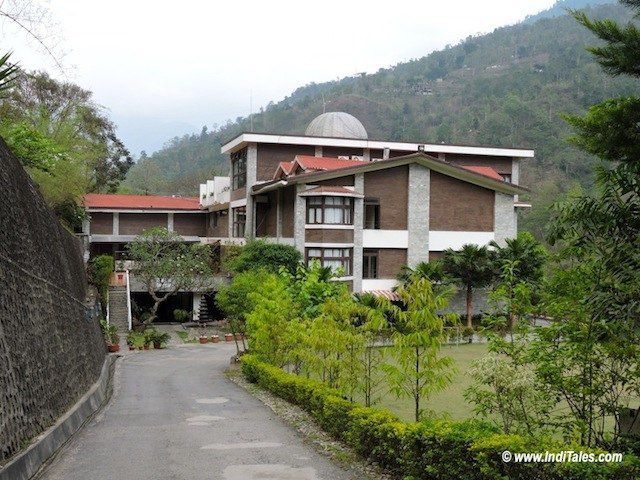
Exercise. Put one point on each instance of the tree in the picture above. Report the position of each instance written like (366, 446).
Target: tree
(432, 270)
(259, 254)
(529, 254)
(165, 265)
(470, 267)
(100, 269)
(418, 370)
(7, 73)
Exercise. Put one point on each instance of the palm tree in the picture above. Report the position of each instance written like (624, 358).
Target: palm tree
(7, 73)
(471, 267)
(432, 270)
(526, 253)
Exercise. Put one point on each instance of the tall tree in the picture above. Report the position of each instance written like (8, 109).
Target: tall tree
(470, 267)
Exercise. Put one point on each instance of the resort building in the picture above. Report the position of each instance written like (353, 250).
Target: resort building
(366, 206)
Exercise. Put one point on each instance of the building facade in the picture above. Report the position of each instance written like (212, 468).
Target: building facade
(365, 207)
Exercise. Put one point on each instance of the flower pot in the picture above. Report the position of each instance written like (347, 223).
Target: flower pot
(238, 336)
(157, 345)
(228, 337)
(204, 340)
(131, 347)
(215, 338)
(146, 347)
(113, 347)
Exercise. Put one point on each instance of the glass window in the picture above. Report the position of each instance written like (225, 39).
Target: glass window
(239, 169)
(335, 258)
(371, 214)
(330, 210)
(370, 264)
(239, 221)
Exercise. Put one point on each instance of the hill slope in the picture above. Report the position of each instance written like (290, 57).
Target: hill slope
(507, 88)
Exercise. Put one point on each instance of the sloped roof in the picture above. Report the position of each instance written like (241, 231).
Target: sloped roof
(332, 190)
(143, 202)
(309, 162)
(486, 171)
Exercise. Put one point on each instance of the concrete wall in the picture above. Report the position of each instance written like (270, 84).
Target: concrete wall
(51, 350)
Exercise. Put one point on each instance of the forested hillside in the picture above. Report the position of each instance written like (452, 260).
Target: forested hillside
(508, 88)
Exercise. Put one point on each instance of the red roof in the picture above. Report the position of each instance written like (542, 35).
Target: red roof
(309, 162)
(286, 167)
(486, 171)
(151, 202)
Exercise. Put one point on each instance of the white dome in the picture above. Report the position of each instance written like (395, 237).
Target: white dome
(336, 125)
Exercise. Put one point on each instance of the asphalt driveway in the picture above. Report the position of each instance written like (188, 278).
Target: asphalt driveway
(175, 415)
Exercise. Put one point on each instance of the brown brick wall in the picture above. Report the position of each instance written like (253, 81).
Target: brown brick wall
(433, 255)
(267, 216)
(390, 260)
(346, 181)
(459, 206)
(314, 235)
(222, 230)
(341, 151)
(190, 224)
(136, 223)
(391, 188)
(270, 155)
(238, 194)
(101, 223)
(288, 206)
(499, 164)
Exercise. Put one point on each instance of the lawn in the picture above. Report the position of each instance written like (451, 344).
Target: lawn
(451, 401)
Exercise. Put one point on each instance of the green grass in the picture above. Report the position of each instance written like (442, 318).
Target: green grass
(184, 336)
(449, 402)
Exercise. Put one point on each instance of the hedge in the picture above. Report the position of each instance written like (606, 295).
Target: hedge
(433, 449)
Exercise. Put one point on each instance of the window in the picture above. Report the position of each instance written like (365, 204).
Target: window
(370, 264)
(239, 169)
(335, 258)
(371, 214)
(330, 210)
(214, 220)
(239, 221)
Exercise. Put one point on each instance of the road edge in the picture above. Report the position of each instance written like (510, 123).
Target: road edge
(28, 463)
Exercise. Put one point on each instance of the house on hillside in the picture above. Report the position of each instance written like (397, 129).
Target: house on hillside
(368, 206)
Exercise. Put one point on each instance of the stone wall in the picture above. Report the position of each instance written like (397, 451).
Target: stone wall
(51, 350)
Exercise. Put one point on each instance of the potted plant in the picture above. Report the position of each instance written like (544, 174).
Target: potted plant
(228, 337)
(111, 337)
(149, 334)
(215, 338)
(131, 339)
(181, 315)
(160, 339)
(203, 339)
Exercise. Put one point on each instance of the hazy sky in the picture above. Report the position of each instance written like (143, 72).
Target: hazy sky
(164, 67)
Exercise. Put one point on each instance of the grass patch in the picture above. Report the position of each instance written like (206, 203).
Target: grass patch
(449, 402)
(184, 336)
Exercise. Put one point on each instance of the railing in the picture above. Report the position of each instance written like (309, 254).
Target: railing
(129, 318)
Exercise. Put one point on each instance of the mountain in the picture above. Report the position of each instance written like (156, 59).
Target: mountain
(560, 8)
(507, 88)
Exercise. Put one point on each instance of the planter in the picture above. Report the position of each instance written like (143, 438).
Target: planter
(131, 347)
(204, 340)
(239, 336)
(228, 337)
(157, 345)
(215, 338)
(146, 347)
(113, 347)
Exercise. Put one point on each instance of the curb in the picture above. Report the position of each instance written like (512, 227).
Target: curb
(27, 463)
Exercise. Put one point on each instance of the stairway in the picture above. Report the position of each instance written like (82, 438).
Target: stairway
(203, 311)
(118, 312)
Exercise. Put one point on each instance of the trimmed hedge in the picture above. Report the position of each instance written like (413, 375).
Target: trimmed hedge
(443, 450)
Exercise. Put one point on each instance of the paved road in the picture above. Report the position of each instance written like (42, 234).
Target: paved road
(174, 415)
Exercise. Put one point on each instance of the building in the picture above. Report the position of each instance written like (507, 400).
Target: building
(367, 206)
(115, 220)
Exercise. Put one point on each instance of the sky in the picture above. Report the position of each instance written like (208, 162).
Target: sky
(165, 68)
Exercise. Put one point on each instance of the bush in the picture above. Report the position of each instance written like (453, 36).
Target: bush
(262, 255)
(431, 449)
(100, 270)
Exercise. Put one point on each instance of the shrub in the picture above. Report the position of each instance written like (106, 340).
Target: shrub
(259, 254)
(432, 449)
(100, 270)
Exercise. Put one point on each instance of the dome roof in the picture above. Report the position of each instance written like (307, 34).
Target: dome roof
(337, 125)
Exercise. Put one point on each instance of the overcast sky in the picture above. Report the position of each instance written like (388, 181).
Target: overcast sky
(164, 68)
